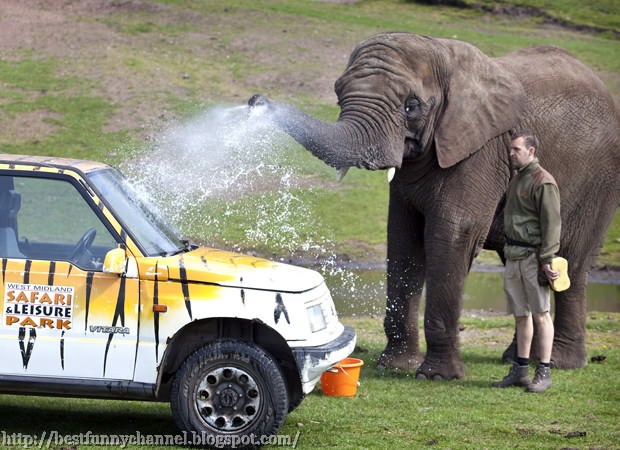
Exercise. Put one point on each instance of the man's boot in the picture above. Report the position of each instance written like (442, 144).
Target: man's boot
(518, 376)
(541, 381)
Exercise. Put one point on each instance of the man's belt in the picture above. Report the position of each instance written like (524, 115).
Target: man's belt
(520, 243)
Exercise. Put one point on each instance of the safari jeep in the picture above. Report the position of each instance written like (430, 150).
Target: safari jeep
(102, 299)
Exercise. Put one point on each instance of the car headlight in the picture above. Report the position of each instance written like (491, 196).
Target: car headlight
(316, 318)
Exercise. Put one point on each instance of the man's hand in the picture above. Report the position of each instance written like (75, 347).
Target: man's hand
(551, 274)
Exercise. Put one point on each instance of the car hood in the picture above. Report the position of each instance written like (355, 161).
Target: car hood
(207, 265)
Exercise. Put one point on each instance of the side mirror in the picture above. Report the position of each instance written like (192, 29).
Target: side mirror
(115, 261)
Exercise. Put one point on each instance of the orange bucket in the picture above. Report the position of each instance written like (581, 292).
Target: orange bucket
(342, 379)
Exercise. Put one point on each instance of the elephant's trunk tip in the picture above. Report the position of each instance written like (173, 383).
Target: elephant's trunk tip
(256, 100)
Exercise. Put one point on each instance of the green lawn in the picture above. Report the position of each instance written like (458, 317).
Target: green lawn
(394, 410)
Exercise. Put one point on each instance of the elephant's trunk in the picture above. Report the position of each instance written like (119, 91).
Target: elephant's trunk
(341, 145)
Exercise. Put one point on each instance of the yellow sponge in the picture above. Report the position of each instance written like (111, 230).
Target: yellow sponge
(562, 282)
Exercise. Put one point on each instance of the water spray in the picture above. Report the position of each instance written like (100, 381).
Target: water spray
(230, 167)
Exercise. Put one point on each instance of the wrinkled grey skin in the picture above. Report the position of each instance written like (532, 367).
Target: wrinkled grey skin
(440, 111)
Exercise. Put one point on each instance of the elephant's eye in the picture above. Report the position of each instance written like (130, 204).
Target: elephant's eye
(411, 104)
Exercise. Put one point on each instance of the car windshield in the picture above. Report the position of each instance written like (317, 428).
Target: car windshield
(147, 227)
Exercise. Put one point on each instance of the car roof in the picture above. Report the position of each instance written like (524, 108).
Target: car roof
(78, 165)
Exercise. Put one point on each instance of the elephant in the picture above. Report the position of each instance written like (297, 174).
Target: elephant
(437, 114)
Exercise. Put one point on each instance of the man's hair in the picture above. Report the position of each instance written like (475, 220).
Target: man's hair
(529, 138)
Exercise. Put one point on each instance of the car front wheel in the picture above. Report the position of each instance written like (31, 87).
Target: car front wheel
(229, 394)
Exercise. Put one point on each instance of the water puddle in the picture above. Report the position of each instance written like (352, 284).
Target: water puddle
(363, 293)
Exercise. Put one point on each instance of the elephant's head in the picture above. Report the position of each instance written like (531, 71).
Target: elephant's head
(409, 97)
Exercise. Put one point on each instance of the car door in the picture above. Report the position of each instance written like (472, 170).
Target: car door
(62, 316)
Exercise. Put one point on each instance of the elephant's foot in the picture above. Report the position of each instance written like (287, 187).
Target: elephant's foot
(568, 355)
(448, 368)
(399, 360)
(510, 354)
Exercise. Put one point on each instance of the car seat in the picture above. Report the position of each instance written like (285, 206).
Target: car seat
(10, 202)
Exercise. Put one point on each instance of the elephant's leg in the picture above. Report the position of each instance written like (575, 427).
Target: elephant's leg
(441, 328)
(450, 250)
(510, 354)
(402, 350)
(569, 343)
(405, 280)
(580, 249)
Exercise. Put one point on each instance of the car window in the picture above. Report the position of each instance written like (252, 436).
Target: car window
(55, 222)
(153, 234)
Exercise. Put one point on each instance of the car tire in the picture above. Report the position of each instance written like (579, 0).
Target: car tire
(229, 394)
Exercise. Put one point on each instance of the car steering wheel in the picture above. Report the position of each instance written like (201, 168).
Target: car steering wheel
(83, 244)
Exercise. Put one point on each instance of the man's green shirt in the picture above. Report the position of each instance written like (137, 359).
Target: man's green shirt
(532, 213)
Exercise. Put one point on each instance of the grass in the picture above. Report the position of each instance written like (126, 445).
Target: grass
(394, 410)
(610, 253)
(72, 115)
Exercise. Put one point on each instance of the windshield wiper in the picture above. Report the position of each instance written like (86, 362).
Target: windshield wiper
(186, 247)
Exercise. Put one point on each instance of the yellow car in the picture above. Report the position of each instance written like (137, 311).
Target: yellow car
(101, 298)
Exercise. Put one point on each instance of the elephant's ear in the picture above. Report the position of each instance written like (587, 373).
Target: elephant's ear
(484, 100)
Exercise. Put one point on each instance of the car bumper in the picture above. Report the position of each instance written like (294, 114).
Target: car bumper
(313, 361)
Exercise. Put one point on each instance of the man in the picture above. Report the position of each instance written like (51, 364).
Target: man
(532, 226)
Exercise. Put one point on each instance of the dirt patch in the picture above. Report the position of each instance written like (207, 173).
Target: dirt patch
(49, 30)
(38, 126)
(53, 30)
(140, 54)
(492, 338)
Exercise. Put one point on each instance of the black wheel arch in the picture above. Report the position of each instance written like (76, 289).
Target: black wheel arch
(199, 333)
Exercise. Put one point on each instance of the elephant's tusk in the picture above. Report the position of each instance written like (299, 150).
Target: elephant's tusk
(390, 174)
(341, 173)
